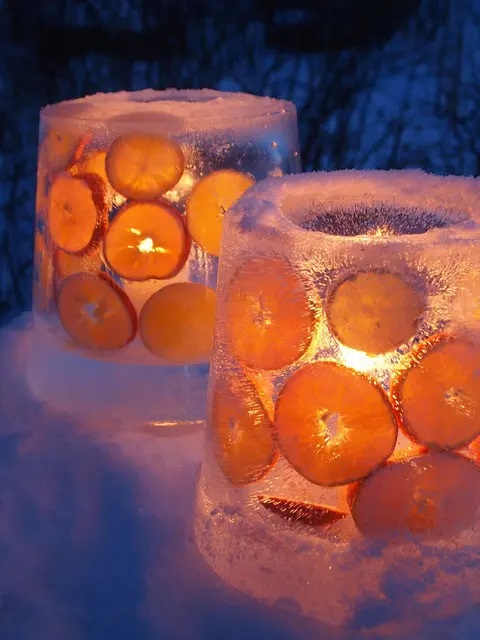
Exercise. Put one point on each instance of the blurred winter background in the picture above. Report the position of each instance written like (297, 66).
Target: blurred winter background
(95, 540)
(378, 84)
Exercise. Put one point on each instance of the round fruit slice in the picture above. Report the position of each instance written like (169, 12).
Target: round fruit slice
(144, 167)
(57, 149)
(439, 396)
(374, 311)
(474, 449)
(176, 323)
(436, 494)
(333, 425)
(77, 211)
(91, 162)
(314, 515)
(147, 240)
(206, 206)
(242, 431)
(95, 312)
(268, 317)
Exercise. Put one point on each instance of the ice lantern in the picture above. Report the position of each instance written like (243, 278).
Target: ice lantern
(132, 188)
(340, 472)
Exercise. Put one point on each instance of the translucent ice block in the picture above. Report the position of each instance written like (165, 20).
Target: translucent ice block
(341, 468)
(132, 189)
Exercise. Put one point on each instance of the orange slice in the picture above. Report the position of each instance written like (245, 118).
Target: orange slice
(91, 162)
(242, 431)
(176, 323)
(206, 206)
(436, 494)
(333, 424)
(144, 167)
(268, 317)
(374, 311)
(474, 449)
(147, 240)
(95, 312)
(314, 515)
(439, 396)
(58, 148)
(77, 212)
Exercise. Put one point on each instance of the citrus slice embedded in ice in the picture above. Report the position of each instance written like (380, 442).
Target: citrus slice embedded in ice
(268, 317)
(374, 311)
(210, 198)
(77, 211)
(333, 424)
(91, 162)
(314, 515)
(176, 322)
(242, 431)
(436, 494)
(142, 166)
(439, 396)
(96, 312)
(58, 148)
(147, 240)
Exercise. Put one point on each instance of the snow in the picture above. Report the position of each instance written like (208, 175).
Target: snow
(96, 534)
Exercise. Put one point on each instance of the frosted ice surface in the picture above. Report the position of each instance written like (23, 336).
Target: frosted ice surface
(195, 109)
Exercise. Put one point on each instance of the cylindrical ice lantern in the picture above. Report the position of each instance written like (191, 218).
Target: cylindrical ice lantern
(132, 189)
(340, 472)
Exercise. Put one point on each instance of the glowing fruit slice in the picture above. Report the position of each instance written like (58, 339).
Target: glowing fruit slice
(314, 515)
(206, 206)
(374, 311)
(439, 396)
(334, 425)
(144, 167)
(41, 194)
(268, 316)
(474, 449)
(58, 148)
(91, 162)
(437, 494)
(242, 431)
(95, 312)
(147, 240)
(176, 323)
(77, 212)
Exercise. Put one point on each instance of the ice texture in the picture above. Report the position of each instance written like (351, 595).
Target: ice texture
(211, 131)
(193, 109)
(329, 227)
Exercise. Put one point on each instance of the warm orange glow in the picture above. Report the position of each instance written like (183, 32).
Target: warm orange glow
(360, 361)
(382, 230)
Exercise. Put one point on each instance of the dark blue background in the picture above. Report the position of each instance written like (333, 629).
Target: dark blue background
(378, 84)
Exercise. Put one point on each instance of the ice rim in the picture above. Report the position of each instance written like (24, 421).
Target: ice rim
(206, 106)
(354, 205)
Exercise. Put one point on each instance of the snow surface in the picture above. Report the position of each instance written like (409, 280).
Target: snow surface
(95, 534)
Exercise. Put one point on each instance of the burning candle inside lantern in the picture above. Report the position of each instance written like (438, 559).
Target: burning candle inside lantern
(344, 402)
(132, 191)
